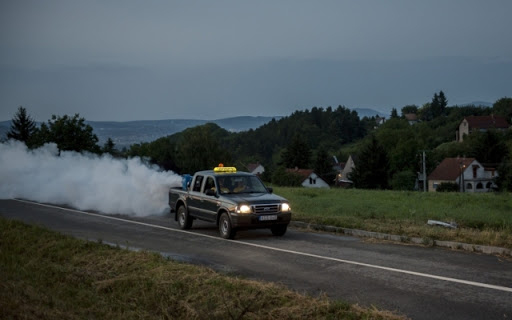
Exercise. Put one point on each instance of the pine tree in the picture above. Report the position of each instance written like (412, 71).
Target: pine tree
(371, 171)
(22, 127)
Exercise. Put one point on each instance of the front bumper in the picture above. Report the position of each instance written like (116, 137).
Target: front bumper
(252, 221)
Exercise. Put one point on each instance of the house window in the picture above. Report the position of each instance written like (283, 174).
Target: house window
(475, 168)
(469, 186)
(479, 186)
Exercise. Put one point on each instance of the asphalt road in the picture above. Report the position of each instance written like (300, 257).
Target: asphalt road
(421, 283)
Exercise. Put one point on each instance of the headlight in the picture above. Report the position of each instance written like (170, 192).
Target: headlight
(285, 207)
(244, 209)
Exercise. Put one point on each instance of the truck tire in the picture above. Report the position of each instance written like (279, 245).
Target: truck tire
(279, 230)
(225, 229)
(184, 220)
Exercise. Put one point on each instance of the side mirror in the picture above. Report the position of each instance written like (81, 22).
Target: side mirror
(270, 190)
(210, 192)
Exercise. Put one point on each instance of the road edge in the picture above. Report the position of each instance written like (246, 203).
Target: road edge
(405, 239)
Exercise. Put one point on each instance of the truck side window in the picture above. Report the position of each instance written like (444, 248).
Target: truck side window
(197, 183)
(209, 185)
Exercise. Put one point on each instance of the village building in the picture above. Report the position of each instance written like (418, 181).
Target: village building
(310, 178)
(255, 168)
(480, 123)
(469, 174)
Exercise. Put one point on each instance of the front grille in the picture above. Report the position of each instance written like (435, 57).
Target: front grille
(266, 208)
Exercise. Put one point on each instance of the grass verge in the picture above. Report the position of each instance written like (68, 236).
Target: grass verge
(483, 218)
(46, 275)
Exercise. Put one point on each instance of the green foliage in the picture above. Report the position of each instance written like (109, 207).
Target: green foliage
(281, 177)
(297, 154)
(199, 148)
(406, 212)
(371, 171)
(323, 163)
(22, 127)
(448, 187)
(503, 107)
(394, 113)
(411, 108)
(69, 133)
(46, 275)
(403, 180)
(504, 179)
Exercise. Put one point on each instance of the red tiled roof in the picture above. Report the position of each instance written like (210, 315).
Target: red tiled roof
(301, 172)
(411, 117)
(449, 168)
(252, 166)
(486, 122)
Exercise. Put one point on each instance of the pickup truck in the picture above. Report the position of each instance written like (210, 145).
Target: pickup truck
(233, 200)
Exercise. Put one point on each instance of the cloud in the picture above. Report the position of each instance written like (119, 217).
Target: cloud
(84, 181)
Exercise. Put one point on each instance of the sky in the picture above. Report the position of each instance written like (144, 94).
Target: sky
(124, 60)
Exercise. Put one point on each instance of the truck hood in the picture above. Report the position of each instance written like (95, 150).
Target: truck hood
(255, 198)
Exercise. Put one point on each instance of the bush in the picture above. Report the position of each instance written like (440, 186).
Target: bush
(286, 179)
(403, 180)
(448, 187)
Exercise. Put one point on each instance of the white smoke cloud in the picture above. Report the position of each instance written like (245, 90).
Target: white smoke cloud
(83, 181)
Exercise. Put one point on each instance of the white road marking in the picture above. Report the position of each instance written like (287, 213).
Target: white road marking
(419, 274)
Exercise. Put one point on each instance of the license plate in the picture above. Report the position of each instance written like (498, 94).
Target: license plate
(268, 217)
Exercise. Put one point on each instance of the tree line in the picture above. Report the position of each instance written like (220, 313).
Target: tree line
(388, 155)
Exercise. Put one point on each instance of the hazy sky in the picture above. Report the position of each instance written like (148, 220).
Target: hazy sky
(149, 60)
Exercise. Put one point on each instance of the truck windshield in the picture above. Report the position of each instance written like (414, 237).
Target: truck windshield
(240, 184)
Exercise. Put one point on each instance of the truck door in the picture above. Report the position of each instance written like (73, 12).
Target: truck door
(210, 204)
(195, 196)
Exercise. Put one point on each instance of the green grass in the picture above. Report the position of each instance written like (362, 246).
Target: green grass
(484, 218)
(46, 275)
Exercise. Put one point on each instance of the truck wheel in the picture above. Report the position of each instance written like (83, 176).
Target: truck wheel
(279, 230)
(225, 229)
(184, 220)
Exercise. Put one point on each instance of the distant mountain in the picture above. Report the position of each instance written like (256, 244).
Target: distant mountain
(127, 133)
(365, 112)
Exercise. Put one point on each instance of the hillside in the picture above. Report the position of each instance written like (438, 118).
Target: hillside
(125, 134)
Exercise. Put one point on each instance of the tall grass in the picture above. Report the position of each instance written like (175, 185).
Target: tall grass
(45, 275)
(483, 218)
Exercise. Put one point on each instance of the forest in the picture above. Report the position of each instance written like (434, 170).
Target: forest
(389, 153)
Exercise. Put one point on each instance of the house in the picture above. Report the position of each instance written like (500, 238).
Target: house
(344, 176)
(480, 123)
(379, 121)
(469, 174)
(412, 118)
(255, 168)
(311, 179)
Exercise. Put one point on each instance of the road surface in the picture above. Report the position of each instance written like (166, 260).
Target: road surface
(419, 282)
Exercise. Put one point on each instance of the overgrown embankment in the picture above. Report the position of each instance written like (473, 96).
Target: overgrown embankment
(45, 275)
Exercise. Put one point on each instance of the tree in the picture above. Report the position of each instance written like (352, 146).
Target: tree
(22, 126)
(283, 178)
(371, 171)
(69, 133)
(394, 113)
(503, 107)
(403, 180)
(504, 179)
(323, 163)
(411, 108)
(298, 154)
(199, 149)
(438, 104)
(110, 148)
